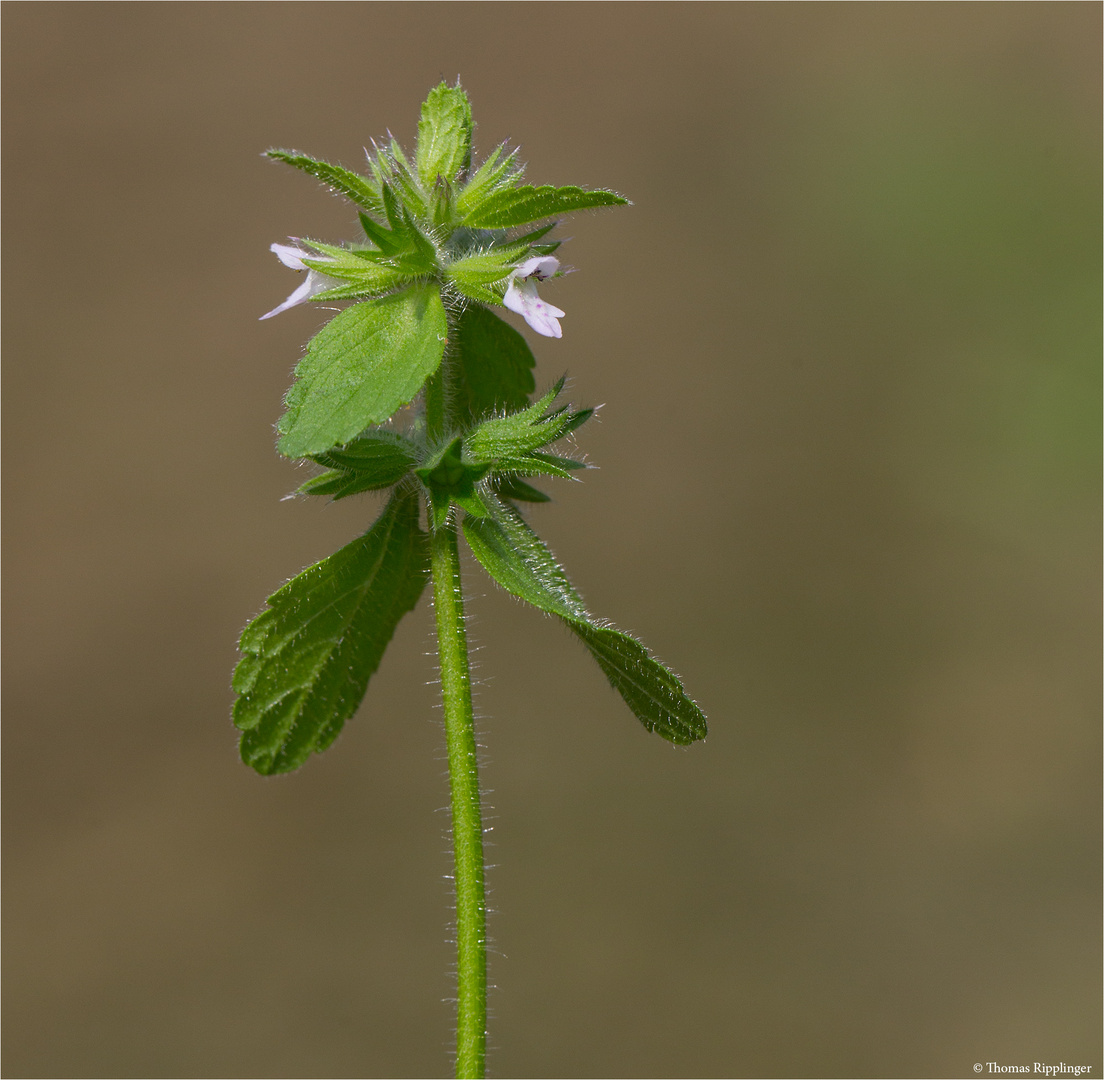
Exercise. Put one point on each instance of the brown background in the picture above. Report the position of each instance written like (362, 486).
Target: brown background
(848, 341)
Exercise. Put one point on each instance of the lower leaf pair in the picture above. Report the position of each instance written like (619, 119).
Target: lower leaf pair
(307, 659)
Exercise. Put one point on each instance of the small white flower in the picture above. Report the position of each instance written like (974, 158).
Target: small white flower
(521, 296)
(314, 283)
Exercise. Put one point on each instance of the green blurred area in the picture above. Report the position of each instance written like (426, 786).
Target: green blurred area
(849, 340)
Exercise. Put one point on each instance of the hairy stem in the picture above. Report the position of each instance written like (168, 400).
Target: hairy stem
(467, 819)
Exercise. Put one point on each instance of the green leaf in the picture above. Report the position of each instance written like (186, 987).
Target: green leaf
(517, 206)
(506, 486)
(652, 691)
(481, 294)
(537, 463)
(356, 188)
(422, 253)
(372, 452)
(484, 267)
(365, 277)
(360, 367)
(383, 238)
(308, 657)
(518, 434)
(404, 248)
(441, 198)
(497, 366)
(488, 178)
(518, 560)
(444, 134)
(402, 176)
(358, 289)
(373, 461)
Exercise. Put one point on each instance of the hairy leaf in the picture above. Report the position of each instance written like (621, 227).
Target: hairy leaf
(652, 691)
(383, 238)
(497, 365)
(496, 172)
(308, 657)
(373, 461)
(506, 486)
(538, 463)
(356, 188)
(360, 367)
(485, 267)
(404, 178)
(520, 433)
(444, 134)
(519, 561)
(404, 248)
(363, 275)
(517, 206)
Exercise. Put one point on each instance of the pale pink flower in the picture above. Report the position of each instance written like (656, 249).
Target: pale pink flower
(521, 295)
(313, 284)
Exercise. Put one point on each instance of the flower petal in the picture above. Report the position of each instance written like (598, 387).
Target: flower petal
(290, 256)
(540, 267)
(522, 297)
(313, 284)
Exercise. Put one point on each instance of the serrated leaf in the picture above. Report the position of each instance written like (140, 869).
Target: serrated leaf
(356, 188)
(651, 690)
(373, 461)
(309, 656)
(497, 366)
(444, 134)
(360, 367)
(518, 206)
(519, 561)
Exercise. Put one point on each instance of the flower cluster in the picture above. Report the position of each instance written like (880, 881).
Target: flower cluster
(435, 218)
(521, 293)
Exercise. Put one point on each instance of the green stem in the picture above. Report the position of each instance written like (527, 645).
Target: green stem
(467, 820)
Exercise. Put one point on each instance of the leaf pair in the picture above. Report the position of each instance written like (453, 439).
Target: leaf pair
(308, 657)
(519, 561)
(376, 356)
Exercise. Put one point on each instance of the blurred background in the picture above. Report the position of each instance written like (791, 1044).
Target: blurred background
(848, 341)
